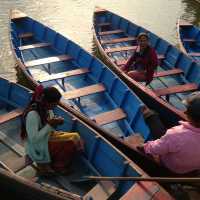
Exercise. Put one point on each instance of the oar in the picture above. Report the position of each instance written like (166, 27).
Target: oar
(133, 178)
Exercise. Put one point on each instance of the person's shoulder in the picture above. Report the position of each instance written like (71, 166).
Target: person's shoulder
(32, 114)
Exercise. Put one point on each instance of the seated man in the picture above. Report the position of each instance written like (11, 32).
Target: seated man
(179, 148)
(142, 64)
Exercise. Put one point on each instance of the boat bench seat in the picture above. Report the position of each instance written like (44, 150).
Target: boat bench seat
(25, 35)
(110, 116)
(100, 10)
(104, 24)
(10, 115)
(142, 191)
(101, 191)
(176, 89)
(47, 60)
(118, 40)
(194, 54)
(32, 46)
(118, 49)
(111, 32)
(124, 61)
(77, 93)
(62, 75)
(168, 72)
(189, 40)
(20, 163)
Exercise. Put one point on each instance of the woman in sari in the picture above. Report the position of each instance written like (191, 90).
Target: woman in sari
(49, 149)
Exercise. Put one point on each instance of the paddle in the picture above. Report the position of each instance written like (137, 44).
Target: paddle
(132, 178)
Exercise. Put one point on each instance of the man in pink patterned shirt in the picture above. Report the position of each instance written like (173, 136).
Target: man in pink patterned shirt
(179, 148)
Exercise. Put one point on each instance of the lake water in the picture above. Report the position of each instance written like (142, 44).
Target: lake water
(73, 18)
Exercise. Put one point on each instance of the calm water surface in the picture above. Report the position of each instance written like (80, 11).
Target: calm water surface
(73, 18)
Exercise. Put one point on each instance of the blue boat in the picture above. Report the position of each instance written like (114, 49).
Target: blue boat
(189, 40)
(177, 75)
(86, 84)
(18, 174)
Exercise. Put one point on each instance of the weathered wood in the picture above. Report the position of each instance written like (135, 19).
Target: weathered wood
(110, 116)
(142, 178)
(11, 115)
(123, 61)
(32, 46)
(194, 54)
(99, 193)
(9, 142)
(20, 163)
(99, 10)
(184, 23)
(111, 32)
(25, 35)
(104, 24)
(84, 91)
(47, 60)
(189, 40)
(63, 75)
(16, 14)
(168, 72)
(141, 191)
(176, 89)
(118, 40)
(118, 49)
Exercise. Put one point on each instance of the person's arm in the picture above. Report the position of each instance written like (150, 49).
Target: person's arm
(32, 127)
(166, 144)
(152, 65)
(128, 63)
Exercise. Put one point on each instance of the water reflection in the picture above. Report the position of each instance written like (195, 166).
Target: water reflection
(191, 11)
(73, 18)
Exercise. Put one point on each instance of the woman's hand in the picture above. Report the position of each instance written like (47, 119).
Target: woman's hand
(55, 121)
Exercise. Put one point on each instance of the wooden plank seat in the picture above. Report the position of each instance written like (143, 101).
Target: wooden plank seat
(19, 163)
(111, 32)
(96, 88)
(101, 191)
(168, 72)
(63, 75)
(99, 10)
(194, 54)
(10, 115)
(110, 116)
(104, 24)
(142, 191)
(189, 40)
(25, 35)
(118, 40)
(32, 46)
(184, 23)
(118, 49)
(47, 60)
(176, 89)
(123, 61)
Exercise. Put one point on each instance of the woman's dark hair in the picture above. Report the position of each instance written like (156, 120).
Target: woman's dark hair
(51, 95)
(143, 34)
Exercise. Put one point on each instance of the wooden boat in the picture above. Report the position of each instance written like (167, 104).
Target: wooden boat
(87, 85)
(176, 77)
(100, 158)
(188, 37)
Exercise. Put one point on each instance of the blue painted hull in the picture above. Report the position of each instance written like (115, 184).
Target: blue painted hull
(115, 47)
(100, 158)
(115, 97)
(189, 39)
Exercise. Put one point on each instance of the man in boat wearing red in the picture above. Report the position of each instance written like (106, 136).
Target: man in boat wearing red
(50, 149)
(142, 64)
(179, 148)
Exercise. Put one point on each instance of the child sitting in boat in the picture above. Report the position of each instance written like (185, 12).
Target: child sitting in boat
(179, 148)
(142, 64)
(50, 150)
